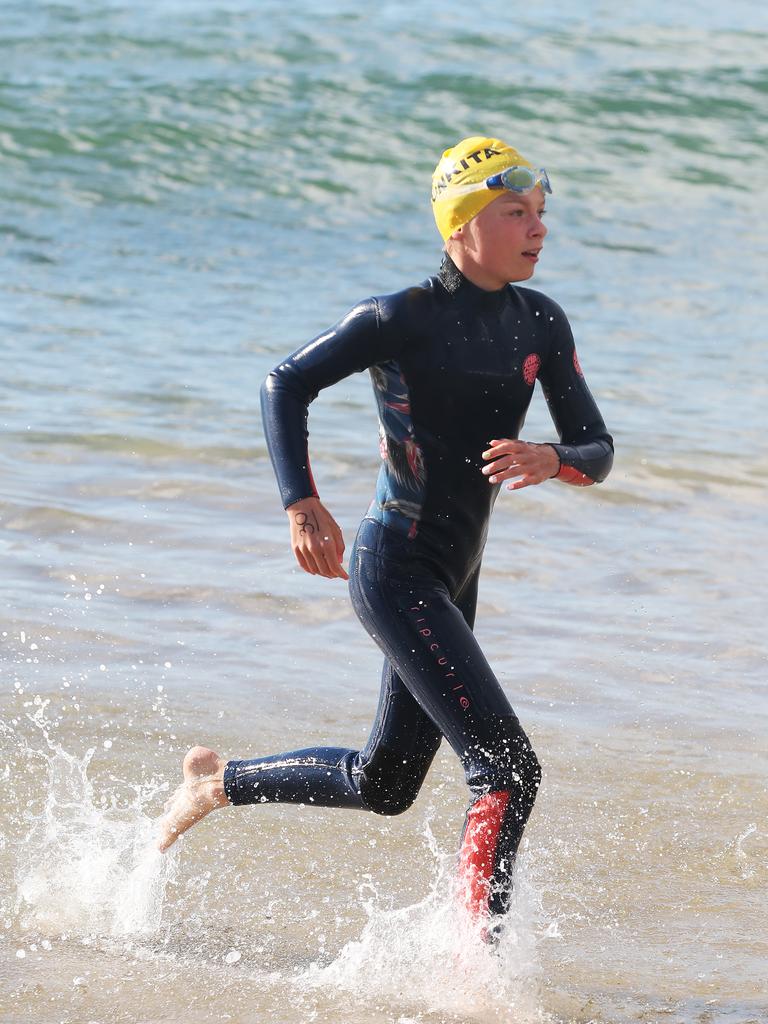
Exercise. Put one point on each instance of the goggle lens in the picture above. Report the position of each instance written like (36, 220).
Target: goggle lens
(520, 179)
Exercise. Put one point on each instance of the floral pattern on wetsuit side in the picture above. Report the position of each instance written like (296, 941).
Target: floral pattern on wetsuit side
(401, 486)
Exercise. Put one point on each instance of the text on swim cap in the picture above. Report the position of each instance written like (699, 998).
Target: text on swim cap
(441, 183)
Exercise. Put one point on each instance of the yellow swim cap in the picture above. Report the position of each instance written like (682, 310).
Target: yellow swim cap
(469, 162)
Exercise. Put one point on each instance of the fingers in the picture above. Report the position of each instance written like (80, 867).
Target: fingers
(338, 541)
(524, 481)
(516, 469)
(508, 466)
(321, 558)
(505, 459)
(525, 462)
(504, 446)
(328, 560)
(333, 550)
(302, 561)
(316, 540)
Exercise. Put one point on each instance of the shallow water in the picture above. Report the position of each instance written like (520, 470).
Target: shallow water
(187, 193)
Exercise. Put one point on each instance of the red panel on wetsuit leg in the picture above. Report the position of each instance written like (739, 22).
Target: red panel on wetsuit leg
(478, 850)
(569, 475)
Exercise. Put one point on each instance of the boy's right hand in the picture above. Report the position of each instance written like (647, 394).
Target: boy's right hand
(316, 539)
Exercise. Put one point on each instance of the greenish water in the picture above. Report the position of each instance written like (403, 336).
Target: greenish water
(187, 192)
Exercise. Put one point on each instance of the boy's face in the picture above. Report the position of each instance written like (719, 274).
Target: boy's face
(504, 240)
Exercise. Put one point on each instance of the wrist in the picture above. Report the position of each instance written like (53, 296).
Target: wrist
(558, 460)
(302, 504)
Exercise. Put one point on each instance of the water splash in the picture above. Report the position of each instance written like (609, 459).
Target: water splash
(86, 869)
(744, 863)
(431, 956)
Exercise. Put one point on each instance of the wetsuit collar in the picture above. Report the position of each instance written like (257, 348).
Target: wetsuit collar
(455, 283)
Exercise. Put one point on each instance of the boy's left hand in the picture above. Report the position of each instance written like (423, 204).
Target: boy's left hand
(532, 463)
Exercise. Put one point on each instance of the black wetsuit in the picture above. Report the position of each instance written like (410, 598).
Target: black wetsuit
(453, 367)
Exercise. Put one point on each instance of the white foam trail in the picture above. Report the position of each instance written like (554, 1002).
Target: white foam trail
(85, 869)
(430, 958)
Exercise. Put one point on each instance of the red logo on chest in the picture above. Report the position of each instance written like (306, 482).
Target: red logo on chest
(531, 369)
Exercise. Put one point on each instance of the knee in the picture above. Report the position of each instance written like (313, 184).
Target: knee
(523, 769)
(389, 782)
(529, 770)
(388, 796)
(381, 803)
(520, 775)
(511, 766)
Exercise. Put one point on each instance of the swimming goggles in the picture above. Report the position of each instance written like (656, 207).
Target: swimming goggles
(514, 179)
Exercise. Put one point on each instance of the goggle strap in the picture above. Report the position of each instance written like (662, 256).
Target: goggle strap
(540, 178)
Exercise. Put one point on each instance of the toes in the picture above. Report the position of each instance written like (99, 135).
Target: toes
(166, 842)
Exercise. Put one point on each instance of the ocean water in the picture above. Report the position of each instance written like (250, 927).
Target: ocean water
(188, 192)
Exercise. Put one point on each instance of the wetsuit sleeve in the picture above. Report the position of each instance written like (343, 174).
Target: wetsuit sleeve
(586, 448)
(353, 344)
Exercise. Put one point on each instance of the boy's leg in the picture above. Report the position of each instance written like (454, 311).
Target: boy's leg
(383, 777)
(427, 638)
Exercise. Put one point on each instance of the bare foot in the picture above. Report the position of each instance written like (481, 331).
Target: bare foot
(201, 792)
